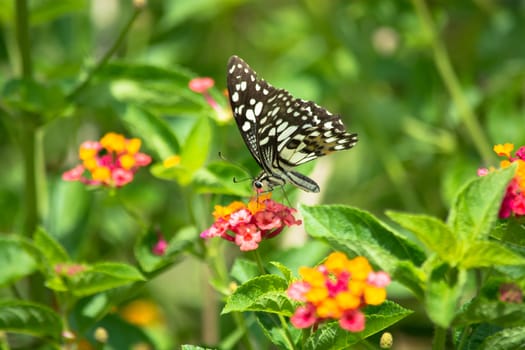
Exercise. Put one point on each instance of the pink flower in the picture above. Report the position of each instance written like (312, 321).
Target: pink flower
(483, 171)
(160, 247)
(201, 85)
(247, 237)
(353, 321)
(339, 284)
(74, 174)
(142, 159)
(121, 177)
(378, 279)
(242, 216)
(304, 316)
(297, 290)
(267, 220)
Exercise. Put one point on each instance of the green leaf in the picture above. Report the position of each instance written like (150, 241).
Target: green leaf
(193, 347)
(489, 253)
(29, 318)
(244, 270)
(264, 293)
(50, 248)
(16, 262)
(154, 132)
(218, 178)
(361, 233)
(481, 310)
(509, 338)
(476, 207)
(333, 337)
(287, 273)
(150, 262)
(45, 11)
(196, 146)
(104, 276)
(434, 234)
(444, 288)
(411, 277)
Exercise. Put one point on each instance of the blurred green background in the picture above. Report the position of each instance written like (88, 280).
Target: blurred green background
(373, 62)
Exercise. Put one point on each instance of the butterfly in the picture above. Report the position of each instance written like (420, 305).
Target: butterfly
(281, 131)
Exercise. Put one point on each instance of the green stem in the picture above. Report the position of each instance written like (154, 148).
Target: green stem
(440, 337)
(3, 341)
(258, 260)
(22, 37)
(451, 82)
(287, 335)
(104, 59)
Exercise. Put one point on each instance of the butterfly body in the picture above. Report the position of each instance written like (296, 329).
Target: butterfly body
(281, 131)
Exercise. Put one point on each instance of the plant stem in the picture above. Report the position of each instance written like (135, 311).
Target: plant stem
(451, 82)
(22, 37)
(440, 337)
(286, 331)
(258, 260)
(105, 58)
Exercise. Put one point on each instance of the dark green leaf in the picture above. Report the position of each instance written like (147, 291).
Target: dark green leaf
(273, 329)
(481, 310)
(29, 318)
(476, 207)
(264, 293)
(361, 233)
(510, 338)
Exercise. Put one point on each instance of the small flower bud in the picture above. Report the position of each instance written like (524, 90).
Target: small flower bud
(386, 340)
(101, 335)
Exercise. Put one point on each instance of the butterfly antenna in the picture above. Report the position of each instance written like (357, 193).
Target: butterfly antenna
(238, 165)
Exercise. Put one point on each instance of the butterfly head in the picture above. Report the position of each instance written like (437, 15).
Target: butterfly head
(266, 183)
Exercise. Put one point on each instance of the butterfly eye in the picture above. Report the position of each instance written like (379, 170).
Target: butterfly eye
(258, 184)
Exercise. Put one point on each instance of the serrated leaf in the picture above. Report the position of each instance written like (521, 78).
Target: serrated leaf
(359, 232)
(104, 276)
(29, 318)
(333, 337)
(509, 338)
(476, 207)
(16, 262)
(264, 293)
(481, 310)
(489, 253)
(154, 131)
(50, 248)
(287, 273)
(432, 232)
(443, 290)
(411, 277)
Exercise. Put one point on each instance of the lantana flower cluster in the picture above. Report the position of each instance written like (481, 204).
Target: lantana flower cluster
(248, 224)
(337, 290)
(112, 161)
(514, 200)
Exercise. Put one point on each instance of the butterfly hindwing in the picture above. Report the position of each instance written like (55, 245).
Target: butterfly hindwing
(281, 131)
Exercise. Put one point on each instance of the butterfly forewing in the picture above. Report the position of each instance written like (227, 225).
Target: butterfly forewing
(279, 130)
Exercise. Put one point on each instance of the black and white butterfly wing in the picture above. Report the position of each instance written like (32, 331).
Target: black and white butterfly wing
(281, 131)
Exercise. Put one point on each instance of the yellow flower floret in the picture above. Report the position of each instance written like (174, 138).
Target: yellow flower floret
(374, 295)
(316, 295)
(337, 262)
(329, 308)
(347, 300)
(503, 149)
(225, 212)
(359, 268)
(133, 145)
(113, 142)
(312, 276)
(127, 161)
(101, 174)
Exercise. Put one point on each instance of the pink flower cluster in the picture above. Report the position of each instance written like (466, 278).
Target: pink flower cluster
(514, 200)
(112, 161)
(202, 86)
(247, 225)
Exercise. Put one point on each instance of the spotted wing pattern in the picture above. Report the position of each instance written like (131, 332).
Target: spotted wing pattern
(281, 131)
